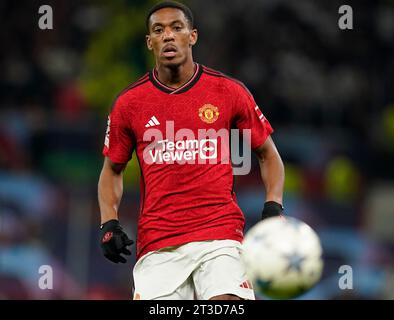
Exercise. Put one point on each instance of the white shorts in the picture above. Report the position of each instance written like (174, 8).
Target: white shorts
(196, 270)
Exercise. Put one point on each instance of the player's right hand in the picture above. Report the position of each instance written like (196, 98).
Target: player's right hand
(113, 241)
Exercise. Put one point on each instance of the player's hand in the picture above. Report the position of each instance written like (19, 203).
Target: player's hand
(272, 209)
(113, 241)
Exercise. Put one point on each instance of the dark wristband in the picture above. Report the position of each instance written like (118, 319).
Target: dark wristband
(271, 209)
(110, 224)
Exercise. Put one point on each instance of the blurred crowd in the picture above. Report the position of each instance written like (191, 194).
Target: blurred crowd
(328, 93)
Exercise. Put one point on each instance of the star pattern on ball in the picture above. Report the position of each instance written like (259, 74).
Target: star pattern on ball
(295, 261)
(262, 239)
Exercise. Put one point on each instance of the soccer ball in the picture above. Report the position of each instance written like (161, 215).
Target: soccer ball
(282, 257)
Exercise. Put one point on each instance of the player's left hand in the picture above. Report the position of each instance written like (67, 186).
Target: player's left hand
(113, 241)
(271, 209)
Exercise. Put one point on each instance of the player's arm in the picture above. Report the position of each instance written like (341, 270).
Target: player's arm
(118, 147)
(113, 240)
(273, 177)
(110, 189)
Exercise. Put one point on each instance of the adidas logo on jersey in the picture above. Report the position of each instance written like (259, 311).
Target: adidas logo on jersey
(246, 285)
(152, 122)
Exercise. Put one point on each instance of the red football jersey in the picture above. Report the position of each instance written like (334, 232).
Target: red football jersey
(187, 178)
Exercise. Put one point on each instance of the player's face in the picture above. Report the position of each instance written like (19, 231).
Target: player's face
(170, 37)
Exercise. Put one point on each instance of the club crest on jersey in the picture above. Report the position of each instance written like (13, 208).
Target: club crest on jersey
(208, 113)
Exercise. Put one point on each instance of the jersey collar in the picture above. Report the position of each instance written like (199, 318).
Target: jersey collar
(188, 85)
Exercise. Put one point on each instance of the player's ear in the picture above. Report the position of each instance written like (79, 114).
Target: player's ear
(193, 37)
(148, 42)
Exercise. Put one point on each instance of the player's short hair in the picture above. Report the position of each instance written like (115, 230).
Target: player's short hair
(172, 4)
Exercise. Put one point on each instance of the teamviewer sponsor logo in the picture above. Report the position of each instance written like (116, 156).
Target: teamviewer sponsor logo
(166, 151)
(208, 149)
(206, 146)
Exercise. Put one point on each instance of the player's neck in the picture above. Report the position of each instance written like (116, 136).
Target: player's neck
(175, 77)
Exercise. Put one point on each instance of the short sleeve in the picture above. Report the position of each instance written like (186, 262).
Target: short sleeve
(119, 142)
(248, 115)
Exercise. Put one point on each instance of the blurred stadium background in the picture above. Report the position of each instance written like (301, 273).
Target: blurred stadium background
(328, 93)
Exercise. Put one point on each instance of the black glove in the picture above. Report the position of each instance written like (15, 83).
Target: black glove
(114, 241)
(271, 209)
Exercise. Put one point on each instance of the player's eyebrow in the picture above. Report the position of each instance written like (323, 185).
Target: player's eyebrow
(160, 24)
